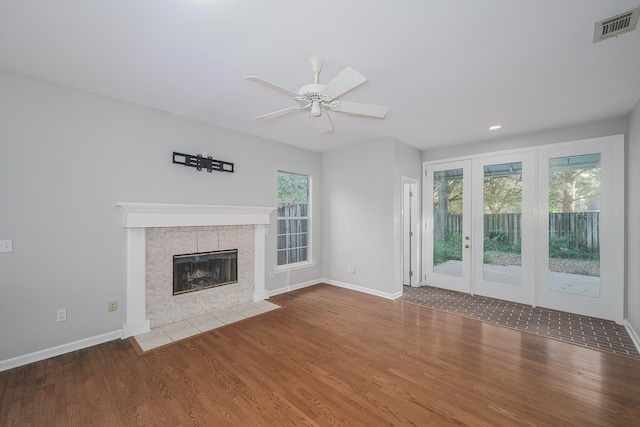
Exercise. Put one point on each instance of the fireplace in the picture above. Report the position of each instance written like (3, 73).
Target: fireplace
(204, 270)
(156, 232)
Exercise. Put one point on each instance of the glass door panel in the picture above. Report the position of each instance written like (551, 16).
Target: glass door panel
(448, 196)
(574, 224)
(502, 217)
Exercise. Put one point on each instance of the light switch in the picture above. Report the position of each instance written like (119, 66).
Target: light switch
(6, 245)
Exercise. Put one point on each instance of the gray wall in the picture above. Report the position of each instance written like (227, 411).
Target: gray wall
(66, 157)
(358, 215)
(633, 221)
(363, 212)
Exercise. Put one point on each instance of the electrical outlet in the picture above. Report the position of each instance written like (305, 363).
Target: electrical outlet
(62, 315)
(112, 306)
(351, 269)
(6, 245)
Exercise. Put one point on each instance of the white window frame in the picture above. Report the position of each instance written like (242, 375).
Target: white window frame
(309, 261)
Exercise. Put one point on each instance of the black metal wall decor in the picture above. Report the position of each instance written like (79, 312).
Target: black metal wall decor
(199, 162)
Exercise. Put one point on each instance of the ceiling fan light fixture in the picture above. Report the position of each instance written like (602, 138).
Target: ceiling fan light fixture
(315, 109)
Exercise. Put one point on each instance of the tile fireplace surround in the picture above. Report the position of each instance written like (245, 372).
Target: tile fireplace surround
(156, 232)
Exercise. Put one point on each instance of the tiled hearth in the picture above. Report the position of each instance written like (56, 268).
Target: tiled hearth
(187, 328)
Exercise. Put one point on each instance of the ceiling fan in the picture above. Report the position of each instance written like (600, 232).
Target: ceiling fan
(319, 99)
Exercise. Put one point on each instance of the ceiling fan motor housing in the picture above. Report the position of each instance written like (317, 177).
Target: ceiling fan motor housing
(311, 95)
(312, 88)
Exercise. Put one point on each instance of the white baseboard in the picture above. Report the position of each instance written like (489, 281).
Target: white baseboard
(386, 295)
(132, 329)
(633, 334)
(293, 287)
(58, 350)
(334, 283)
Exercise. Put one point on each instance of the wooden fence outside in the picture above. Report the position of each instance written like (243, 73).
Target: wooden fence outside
(292, 233)
(581, 229)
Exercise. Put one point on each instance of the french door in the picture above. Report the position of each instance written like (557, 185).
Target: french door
(503, 227)
(448, 225)
(580, 254)
(543, 226)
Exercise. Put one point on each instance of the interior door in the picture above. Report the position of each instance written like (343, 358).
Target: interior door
(447, 212)
(581, 228)
(504, 227)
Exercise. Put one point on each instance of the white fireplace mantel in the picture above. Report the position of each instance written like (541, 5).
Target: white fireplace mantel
(145, 215)
(140, 216)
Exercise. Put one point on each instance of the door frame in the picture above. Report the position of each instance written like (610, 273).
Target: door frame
(416, 221)
(610, 304)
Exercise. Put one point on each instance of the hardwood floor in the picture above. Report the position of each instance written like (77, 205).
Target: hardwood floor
(331, 356)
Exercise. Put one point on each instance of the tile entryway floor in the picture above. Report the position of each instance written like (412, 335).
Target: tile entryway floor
(177, 331)
(590, 332)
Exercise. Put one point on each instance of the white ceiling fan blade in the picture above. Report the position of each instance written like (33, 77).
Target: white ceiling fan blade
(271, 85)
(323, 123)
(279, 113)
(361, 109)
(344, 82)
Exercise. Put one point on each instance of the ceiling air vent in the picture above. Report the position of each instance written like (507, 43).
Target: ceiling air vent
(616, 25)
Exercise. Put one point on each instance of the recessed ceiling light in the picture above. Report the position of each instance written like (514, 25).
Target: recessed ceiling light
(495, 127)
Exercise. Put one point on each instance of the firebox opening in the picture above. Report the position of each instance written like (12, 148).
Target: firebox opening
(199, 271)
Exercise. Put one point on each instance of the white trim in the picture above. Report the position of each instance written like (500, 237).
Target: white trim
(297, 266)
(551, 146)
(632, 333)
(147, 215)
(336, 283)
(58, 350)
(136, 328)
(259, 288)
(417, 221)
(135, 321)
(290, 288)
(362, 289)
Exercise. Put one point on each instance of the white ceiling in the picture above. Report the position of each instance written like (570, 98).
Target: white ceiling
(447, 69)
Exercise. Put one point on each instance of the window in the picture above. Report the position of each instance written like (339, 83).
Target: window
(293, 219)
